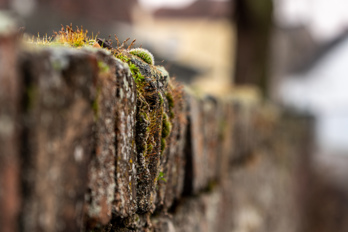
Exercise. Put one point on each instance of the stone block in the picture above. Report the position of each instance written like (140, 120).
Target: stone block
(125, 203)
(57, 137)
(226, 146)
(195, 155)
(10, 94)
(211, 135)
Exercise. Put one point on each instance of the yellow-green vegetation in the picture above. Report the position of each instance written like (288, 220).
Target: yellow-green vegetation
(161, 177)
(163, 144)
(170, 100)
(67, 36)
(144, 54)
(103, 67)
(166, 126)
(150, 101)
(166, 129)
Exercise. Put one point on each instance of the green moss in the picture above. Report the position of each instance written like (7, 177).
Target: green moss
(149, 148)
(103, 67)
(160, 99)
(163, 144)
(137, 76)
(171, 114)
(170, 101)
(144, 54)
(166, 126)
(161, 177)
(122, 57)
(95, 104)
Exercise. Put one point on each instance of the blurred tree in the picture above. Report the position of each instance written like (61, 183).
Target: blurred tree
(253, 20)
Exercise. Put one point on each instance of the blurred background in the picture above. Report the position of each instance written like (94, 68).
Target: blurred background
(295, 51)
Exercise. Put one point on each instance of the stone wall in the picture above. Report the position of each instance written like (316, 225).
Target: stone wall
(90, 142)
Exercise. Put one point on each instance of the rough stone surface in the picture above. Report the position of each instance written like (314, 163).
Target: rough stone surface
(125, 197)
(196, 158)
(113, 144)
(57, 137)
(211, 135)
(101, 186)
(10, 93)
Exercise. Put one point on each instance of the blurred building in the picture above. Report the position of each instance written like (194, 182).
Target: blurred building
(318, 86)
(194, 42)
(200, 35)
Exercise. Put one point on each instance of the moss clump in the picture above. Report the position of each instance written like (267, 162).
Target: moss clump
(137, 76)
(67, 36)
(166, 126)
(144, 54)
(160, 99)
(163, 144)
(170, 101)
(161, 177)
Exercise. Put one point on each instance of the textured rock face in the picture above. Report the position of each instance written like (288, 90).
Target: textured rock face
(104, 141)
(57, 137)
(9, 133)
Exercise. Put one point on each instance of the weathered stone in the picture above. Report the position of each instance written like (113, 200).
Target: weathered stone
(151, 107)
(10, 93)
(163, 224)
(211, 135)
(101, 185)
(198, 214)
(244, 136)
(226, 146)
(170, 181)
(125, 197)
(196, 160)
(176, 166)
(57, 137)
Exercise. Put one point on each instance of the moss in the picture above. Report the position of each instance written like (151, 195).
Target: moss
(161, 177)
(166, 126)
(103, 67)
(144, 114)
(95, 104)
(161, 99)
(67, 36)
(171, 114)
(122, 57)
(136, 74)
(144, 54)
(149, 148)
(163, 144)
(170, 99)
